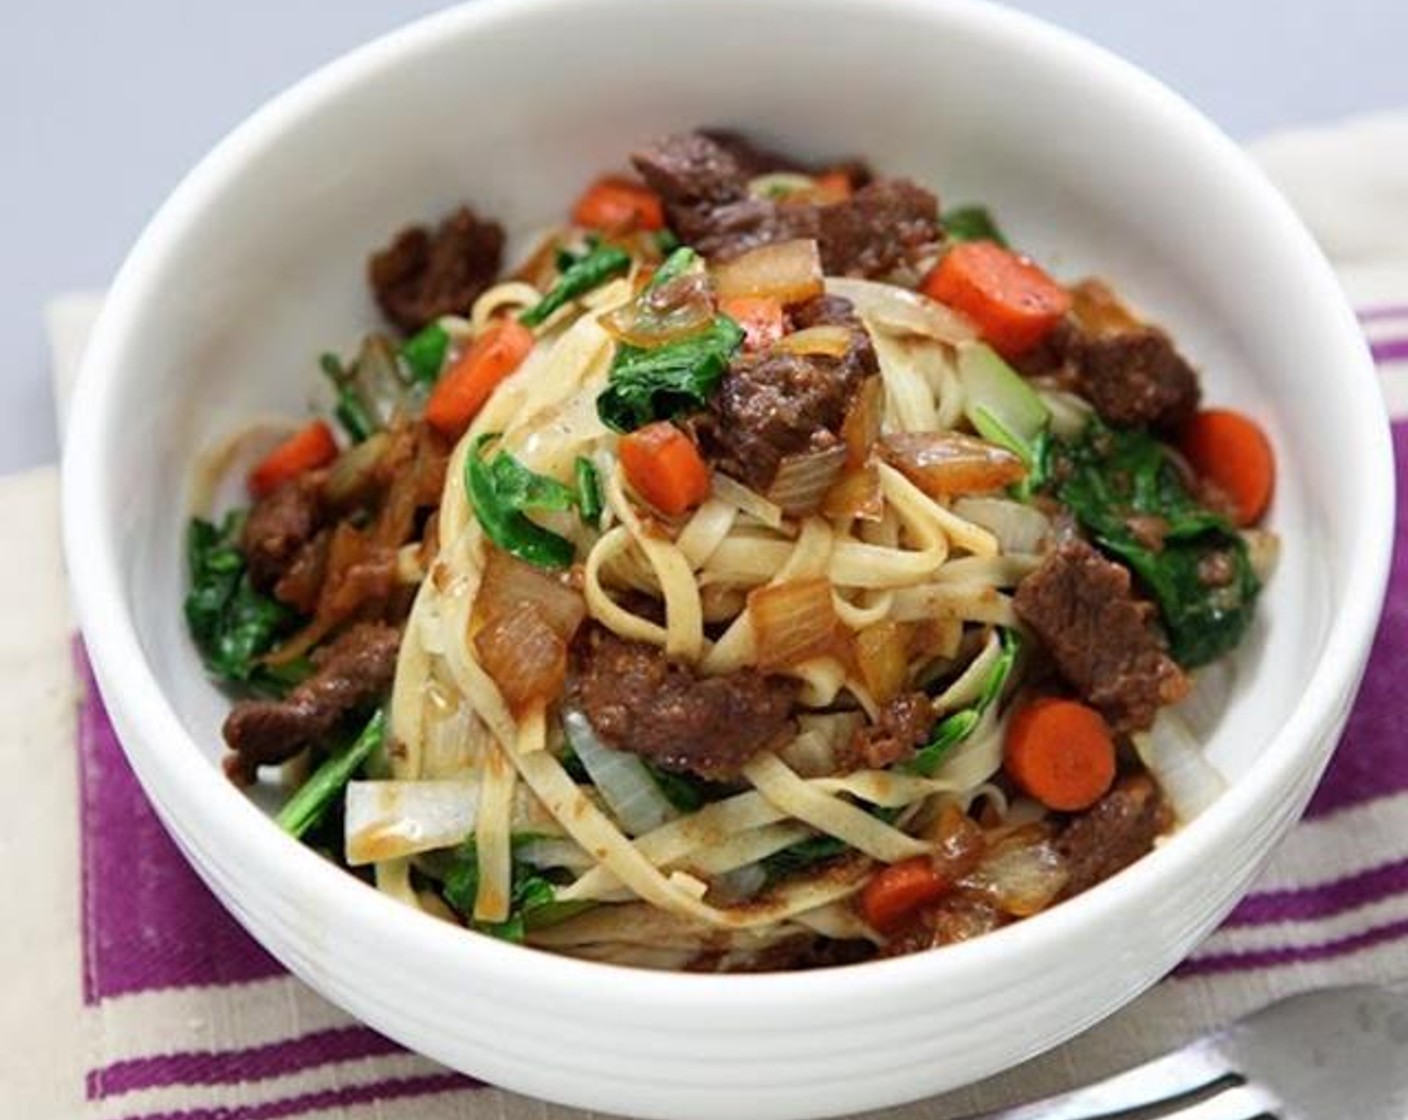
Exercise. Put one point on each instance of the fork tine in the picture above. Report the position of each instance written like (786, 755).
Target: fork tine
(1177, 1075)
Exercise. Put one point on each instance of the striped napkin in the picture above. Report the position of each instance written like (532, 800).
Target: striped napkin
(148, 1001)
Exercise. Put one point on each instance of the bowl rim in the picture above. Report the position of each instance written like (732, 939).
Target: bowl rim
(168, 759)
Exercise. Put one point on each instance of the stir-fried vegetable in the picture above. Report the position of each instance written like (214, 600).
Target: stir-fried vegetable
(307, 449)
(589, 500)
(1233, 453)
(665, 468)
(676, 303)
(389, 819)
(794, 621)
(623, 780)
(1013, 303)
(595, 268)
(945, 464)
(761, 318)
(787, 271)
(466, 385)
(898, 890)
(424, 353)
(232, 623)
(1126, 490)
(957, 726)
(308, 804)
(614, 205)
(1060, 752)
(971, 223)
(532, 900)
(999, 404)
(351, 410)
(659, 384)
(501, 490)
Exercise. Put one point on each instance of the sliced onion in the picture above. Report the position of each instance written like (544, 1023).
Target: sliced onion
(734, 493)
(623, 781)
(999, 404)
(1099, 311)
(787, 271)
(802, 480)
(677, 309)
(739, 885)
(827, 340)
(509, 582)
(1171, 753)
(525, 654)
(882, 655)
(794, 622)
(899, 309)
(1021, 874)
(1020, 529)
(856, 495)
(943, 464)
(353, 472)
(390, 819)
(549, 851)
(1263, 551)
(861, 428)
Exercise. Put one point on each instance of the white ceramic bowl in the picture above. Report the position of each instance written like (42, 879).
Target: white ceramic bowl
(256, 263)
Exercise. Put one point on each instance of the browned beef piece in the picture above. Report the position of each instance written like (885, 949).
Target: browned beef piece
(1137, 378)
(640, 701)
(424, 274)
(1082, 609)
(355, 670)
(881, 226)
(775, 403)
(704, 186)
(279, 526)
(904, 724)
(1113, 833)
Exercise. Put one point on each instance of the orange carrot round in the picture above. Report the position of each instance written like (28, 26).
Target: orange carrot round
(760, 317)
(665, 468)
(307, 449)
(465, 386)
(1233, 453)
(834, 185)
(615, 205)
(1012, 302)
(1061, 753)
(895, 892)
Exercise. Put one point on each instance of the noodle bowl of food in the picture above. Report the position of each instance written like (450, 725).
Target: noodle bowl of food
(641, 551)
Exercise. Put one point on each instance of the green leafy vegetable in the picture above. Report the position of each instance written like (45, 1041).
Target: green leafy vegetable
(532, 901)
(815, 849)
(957, 726)
(589, 500)
(306, 807)
(1198, 570)
(233, 624)
(676, 264)
(501, 489)
(424, 353)
(351, 409)
(667, 241)
(971, 223)
(599, 265)
(661, 383)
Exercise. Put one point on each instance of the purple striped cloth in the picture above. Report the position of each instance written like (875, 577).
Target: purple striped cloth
(194, 1021)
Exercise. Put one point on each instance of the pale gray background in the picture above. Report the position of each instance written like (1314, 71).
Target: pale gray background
(105, 103)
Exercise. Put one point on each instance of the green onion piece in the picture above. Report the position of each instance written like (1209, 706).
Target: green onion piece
(580, 277)
(351, 410)
(955, 727)
(424, 353)
(667, 241)
(306, 807)
(500, 490)
(971, 223)
(589, 500)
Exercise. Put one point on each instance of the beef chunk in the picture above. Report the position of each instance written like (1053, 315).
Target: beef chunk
(1136, 378)
(1082, 608)
(704, 186)
(1113, 833)
(904, 724)
(422, 274)
(278, 528)
(355, 670)
(881, 226)
(775, 403)
(640, 701)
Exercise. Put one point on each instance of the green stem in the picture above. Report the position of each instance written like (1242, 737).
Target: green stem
(308, 804)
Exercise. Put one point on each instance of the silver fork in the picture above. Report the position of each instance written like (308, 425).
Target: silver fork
(1335, 1054)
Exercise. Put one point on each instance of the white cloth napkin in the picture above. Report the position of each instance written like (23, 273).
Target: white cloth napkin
(1332, 908)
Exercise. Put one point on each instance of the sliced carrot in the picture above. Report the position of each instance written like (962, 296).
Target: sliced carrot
(616, 205)
(1012, 302)
(664, 467)
(895, 892)
(1061, 753)
(1233, 453)
(834, 186)
(465, 386)
(307, 449)
(760, 317)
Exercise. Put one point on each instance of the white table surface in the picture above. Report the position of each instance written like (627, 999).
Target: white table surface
(105, 103)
